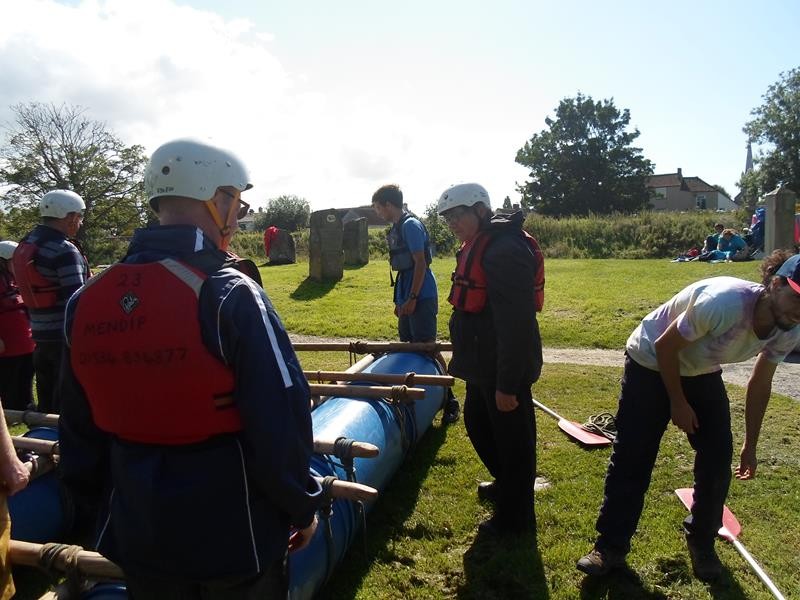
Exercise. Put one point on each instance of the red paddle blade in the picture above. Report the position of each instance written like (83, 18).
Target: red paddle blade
(730, 526)
(730, 529)
(577, 432)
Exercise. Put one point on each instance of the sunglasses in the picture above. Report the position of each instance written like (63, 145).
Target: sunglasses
(454, 215)
(244, 207)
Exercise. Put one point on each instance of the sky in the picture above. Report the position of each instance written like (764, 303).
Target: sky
(330, 100)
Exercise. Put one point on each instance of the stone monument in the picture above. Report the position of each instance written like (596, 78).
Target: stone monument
(356, 242)
(325, 256)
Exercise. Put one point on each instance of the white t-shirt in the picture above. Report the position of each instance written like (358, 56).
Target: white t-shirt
(717, 315)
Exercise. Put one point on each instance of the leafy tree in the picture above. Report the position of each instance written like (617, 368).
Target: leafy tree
(776, 123)
(584, 163)
(58, 147)
(285, 212)
(438, 231)
(507, 202)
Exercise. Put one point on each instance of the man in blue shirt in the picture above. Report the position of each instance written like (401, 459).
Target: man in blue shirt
(415, 295)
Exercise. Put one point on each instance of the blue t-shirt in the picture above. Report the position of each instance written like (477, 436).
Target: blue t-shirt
(415, 237)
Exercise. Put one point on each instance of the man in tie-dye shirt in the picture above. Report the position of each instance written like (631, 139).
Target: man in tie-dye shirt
(673, 372)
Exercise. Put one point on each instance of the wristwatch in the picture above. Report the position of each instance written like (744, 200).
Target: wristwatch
(412, 296)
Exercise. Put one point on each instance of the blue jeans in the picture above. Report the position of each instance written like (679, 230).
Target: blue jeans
(642, 418)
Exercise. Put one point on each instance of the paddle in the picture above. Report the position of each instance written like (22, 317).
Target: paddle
(49, 448)
(730, 530)
(574, 430)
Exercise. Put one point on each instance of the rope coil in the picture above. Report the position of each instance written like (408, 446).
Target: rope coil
(52, 553)
(602, 424)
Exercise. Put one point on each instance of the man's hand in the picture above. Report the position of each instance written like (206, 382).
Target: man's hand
(300, 538)
(14, 475)
(747, 464)
(407, 308)
(505, 402)
(683, 416)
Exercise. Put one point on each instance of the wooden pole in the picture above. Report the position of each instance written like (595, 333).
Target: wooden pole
(29, 417)
(48, 448)
(367, 347)
(87, 563)
(397, 392)
(409, 379)
(349, 490)
(358, 449)
(41, 447)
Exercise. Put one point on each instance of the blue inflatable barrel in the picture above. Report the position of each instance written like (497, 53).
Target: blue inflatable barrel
(394, 429)
(37, 512)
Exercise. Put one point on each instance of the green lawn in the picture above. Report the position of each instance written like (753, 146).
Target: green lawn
(588, 303)
(420, 539)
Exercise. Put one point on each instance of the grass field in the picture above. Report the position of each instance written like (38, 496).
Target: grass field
(421, 534)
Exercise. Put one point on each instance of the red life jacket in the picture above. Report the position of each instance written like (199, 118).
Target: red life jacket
(137, 350)
(468, 292)
(37, 291)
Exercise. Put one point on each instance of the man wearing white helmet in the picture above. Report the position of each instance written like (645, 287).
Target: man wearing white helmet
(49, 267)
(497, 289)
(16, 343)
(186, 419)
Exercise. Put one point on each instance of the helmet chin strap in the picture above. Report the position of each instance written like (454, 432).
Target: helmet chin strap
(224, 229)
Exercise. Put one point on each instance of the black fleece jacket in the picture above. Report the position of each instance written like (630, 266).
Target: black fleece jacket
(501, 345)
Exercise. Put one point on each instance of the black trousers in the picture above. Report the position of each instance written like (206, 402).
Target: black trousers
(47, 364)
(271, 584)
(642, 418)
(16, 381)
(506, 444)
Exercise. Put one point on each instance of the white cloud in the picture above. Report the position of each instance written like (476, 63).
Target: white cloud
(154, 70)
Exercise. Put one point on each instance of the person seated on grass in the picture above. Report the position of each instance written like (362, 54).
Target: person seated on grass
(712, 241)
(673, 372)
(732, 246)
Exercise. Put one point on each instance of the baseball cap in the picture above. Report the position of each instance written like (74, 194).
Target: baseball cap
(791, 270)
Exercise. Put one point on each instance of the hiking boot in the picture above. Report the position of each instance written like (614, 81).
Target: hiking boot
(451, 412)
(705, 562)
(600, 562)
(487, 491)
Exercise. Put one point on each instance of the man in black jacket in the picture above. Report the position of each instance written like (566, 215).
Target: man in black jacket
(496, 348)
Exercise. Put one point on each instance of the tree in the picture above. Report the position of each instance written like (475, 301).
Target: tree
(584, 162)
(507, 202)
(776, 123)
(58, 147)
(285, 212)
(439, 233)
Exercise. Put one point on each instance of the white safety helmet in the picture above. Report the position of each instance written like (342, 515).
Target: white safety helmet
(7, 249)
(193, 169)
(59, 203)
(463, 194)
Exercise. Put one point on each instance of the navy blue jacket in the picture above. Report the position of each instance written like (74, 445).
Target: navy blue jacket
(500, 346)
(218, 509)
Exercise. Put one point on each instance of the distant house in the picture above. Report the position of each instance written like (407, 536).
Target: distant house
(249, 222)
(673, 191)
